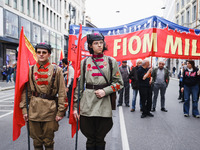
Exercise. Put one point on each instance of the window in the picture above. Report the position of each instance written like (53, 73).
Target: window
(15, 4)
(53, 39)
(182, 18)
(54, 18)
(57, 5)
(7, 2)
(177, 20)
(58, 41)
(36, 34)
(28, 7)
(83, 20)
(188, 16)
(33, 8)
(182, 3)
(51, 18)
(60, 7)
(22, 5)
(11, 25)
(38, 11)
(47, 15)
(194, 12)
(58, 22)
(27, 27)
(43, 13)
(177, 7)
(45, 35)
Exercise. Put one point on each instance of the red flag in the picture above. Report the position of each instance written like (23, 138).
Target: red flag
(61, 55)
(21, 78)
(72, 120)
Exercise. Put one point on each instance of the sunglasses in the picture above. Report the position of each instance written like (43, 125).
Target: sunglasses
(41, 52)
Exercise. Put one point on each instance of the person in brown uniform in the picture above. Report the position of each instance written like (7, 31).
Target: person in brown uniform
(46, 81)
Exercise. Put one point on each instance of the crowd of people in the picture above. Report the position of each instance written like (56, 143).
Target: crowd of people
(148, 82)
(9, 73)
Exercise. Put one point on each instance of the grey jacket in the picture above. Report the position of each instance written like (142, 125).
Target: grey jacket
(166, 75)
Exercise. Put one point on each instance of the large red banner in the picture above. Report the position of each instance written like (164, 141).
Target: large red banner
(144, 43)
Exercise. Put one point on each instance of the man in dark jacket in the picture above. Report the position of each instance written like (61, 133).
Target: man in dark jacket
(125, 71)
(160, 82)
(135, 83)
(144, 77)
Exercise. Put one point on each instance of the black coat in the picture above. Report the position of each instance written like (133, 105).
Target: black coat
(134, 78)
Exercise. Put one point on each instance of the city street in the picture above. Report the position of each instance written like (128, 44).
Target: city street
(165, 131)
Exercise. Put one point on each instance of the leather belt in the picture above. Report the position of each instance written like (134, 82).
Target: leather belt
(44, 96)
(95, 87)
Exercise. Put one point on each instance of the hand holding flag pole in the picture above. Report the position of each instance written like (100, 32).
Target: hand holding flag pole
(77, 121)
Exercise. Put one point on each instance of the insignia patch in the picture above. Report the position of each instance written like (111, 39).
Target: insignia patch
(113, 88)
(117, 86)
(117, 74)
(36, 75)
(105, 63)
(89, 68)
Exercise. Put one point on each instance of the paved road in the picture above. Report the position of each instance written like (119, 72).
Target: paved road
(166, 131)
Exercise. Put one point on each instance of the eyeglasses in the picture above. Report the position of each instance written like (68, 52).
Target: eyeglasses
(97, 43)
(41, 52)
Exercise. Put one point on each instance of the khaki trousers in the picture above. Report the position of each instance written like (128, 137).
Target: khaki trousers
(42, 133)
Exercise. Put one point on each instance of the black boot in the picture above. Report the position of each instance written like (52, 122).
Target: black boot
(90, 148)
(100, 147)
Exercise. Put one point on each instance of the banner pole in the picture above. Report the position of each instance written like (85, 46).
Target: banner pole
(27, 122)
(77, 121)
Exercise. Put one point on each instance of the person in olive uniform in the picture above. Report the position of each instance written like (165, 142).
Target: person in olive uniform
(95, 105)
(45, 109)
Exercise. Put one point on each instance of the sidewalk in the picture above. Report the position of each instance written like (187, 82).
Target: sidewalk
(6, 86)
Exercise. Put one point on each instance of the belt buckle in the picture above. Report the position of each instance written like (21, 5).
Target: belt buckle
(93, 86)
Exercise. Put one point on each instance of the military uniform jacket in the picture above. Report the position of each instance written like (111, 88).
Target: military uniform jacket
(90, 105)
(44, 109)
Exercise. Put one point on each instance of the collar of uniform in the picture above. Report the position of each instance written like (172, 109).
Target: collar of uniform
(44, 64)
(97, 56)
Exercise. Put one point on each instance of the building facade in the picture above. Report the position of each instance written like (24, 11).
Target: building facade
(43, 21)
(185, 13)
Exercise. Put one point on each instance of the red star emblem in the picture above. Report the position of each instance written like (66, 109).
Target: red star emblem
(117, 86)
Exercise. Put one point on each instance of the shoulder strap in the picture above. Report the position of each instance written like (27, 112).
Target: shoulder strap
(32, 70)
(100, 71)
(84, 65)
(111, 68)
(53, 78)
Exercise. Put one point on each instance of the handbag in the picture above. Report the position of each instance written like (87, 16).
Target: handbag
(112, 95)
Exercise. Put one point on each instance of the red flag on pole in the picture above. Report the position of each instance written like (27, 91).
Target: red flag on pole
(26, 55)
(61, 55)
(72, 120)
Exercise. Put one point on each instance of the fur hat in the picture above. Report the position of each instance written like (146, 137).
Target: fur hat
(43, 46)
